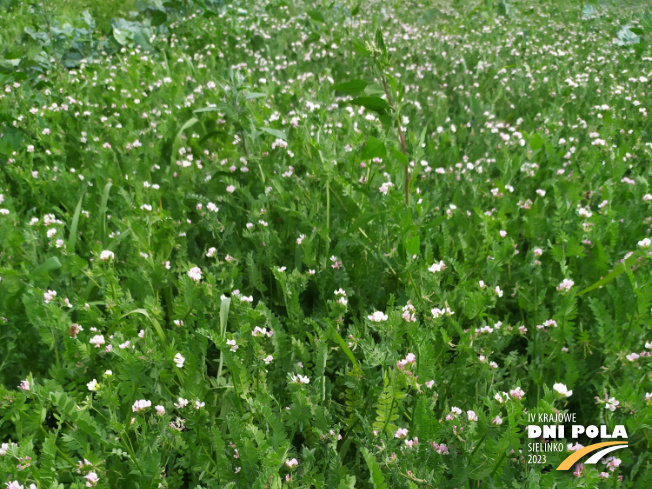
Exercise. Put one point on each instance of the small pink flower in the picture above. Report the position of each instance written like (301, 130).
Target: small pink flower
(91, 479)
(337, 263)
(230, 189)
(291, 463)
(440, 449)
(195, 273)
(24, 385)
(565, 286)
(612, 404)
(613, 463)
(579, 470)
(182, 403)
(401, 433)
(412, 443)
(517, 393)
(160, 410)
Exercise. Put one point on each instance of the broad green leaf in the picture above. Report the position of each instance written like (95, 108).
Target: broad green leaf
(374, 148)
(316, 15)
(400, 156)
(360, 48)
(352, 87)
(536, 142)
(413, 245)
(253, 95)
(48, 265)
(375, 104)
(275, 132)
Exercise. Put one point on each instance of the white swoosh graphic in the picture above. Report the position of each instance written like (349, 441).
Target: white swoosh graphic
(596, 457)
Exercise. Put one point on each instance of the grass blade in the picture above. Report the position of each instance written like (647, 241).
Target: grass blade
(105, 200)
(72, 238)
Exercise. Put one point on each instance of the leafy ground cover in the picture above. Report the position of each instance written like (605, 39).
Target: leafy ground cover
(270, 244)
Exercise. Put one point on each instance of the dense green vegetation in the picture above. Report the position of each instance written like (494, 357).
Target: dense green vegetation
(330, 245)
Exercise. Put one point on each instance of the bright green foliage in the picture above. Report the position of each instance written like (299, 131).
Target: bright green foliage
(322, 245)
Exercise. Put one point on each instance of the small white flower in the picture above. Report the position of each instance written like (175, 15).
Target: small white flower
(299, 379)
(612, 404)
(93, 385)
(437, 267)
(565, 285)
(107, 255)
(182, 403)
(179, 360)
(562, 390)
(645, 243)
(141, 405)
(378, 317)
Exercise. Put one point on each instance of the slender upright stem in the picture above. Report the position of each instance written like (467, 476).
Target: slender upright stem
(401, 138)
(47, 22)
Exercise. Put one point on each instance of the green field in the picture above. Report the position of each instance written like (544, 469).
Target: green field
(325, 244)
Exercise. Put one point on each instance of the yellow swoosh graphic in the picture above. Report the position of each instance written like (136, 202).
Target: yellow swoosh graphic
(571, 459)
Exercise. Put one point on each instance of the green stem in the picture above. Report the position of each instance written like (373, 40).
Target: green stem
(68, 459)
